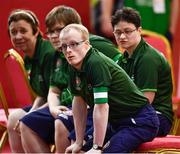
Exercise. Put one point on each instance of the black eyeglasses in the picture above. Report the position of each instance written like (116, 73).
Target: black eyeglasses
(71, 45)
(55, 31)
(118, 33)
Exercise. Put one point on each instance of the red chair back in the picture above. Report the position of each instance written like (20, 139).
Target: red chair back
(22, 91)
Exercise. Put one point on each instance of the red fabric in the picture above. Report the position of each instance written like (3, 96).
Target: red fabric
(170, 141)
(157, 43)
(3, 118)
(21, 92)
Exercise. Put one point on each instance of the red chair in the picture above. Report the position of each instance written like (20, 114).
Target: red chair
(170, 143)
(22, 92)
(3, 136)
(3, 120)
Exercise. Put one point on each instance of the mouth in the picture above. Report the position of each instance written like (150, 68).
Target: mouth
(122, 42)
(19, 44)
(70, 58)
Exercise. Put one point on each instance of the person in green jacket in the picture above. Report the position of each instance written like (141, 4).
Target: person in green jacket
(96, 81)
(25, 35)
(145, 65)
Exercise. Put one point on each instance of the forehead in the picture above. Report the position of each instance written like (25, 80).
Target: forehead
(56, 25)
(124, 25)
(20, 24)
(71, 35)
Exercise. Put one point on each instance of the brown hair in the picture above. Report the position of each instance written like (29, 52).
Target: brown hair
(27, 15)
(66, 15)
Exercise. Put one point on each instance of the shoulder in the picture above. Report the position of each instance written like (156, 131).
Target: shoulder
(150, 52)
(102, 43)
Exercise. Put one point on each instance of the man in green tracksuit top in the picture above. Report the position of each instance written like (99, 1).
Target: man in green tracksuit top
(145, 65)
(96, 81)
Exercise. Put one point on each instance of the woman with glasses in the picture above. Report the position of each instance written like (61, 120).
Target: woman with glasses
(56, 20)
(146, 66)
(25, 35)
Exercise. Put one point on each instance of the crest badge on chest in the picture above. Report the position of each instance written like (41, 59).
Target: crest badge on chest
(78, 83)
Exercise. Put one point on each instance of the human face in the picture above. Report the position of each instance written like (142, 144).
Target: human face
(53, 34)
(22, 37)
(127, 35)
(74, 47)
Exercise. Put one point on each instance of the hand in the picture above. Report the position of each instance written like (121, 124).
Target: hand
(73, 148)
(56, 110)
(93, 151)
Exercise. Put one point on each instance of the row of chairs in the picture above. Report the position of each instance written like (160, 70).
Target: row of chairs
(25, 95)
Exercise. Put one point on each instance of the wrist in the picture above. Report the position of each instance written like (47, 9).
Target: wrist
(97, 147)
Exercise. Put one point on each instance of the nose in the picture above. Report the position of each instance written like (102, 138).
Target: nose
(68, 49)
(122, 35)
(18, 35)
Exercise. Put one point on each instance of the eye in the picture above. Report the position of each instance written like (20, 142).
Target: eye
(64, 46)
(23, 31)
(73, 45)
(127, 31)
(59, 30)
(117, 32)
(13, 32)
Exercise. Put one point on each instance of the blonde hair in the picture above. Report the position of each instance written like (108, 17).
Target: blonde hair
(78, 27)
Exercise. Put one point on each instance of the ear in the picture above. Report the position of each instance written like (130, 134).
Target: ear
(38, 31)
(140, 30)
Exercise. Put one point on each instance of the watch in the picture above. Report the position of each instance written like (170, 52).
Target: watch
(97, 147)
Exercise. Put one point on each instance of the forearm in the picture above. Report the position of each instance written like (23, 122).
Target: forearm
(106, 8)
(174, 16)
(100, 120)
(80, 115)
(54, 103)
(53, 97)
(38, 102)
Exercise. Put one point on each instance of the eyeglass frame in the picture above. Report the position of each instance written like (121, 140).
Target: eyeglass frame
(55, 31)
(126, 32)
(71, 45)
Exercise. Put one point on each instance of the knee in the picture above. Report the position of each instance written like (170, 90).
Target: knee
(13, 118)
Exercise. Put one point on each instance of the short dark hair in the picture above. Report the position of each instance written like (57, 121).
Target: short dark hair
(66, 15)
(127, 14)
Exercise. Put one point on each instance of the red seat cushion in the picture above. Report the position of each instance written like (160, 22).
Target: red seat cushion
(3, 118)
(168, 142)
